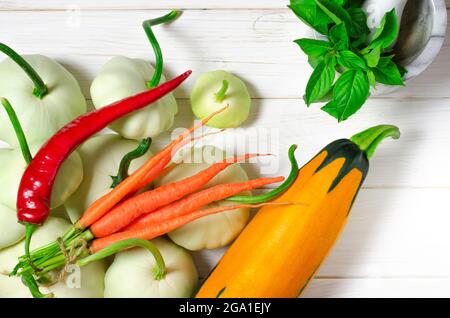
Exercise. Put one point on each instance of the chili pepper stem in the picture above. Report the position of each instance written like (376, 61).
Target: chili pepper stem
(29, 230)
(124, 165)
(159, 270)
(40, 89)
(29, 281)
(222, 93)
(18, 129)
(369, 139)
(147, 25)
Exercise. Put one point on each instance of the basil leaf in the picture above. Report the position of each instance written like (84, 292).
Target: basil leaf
(309, 13)
(386, 34)
(314, 61)
(371, 77)
(373, 57)
(359, 20)
(349, 94)
(320, 82)
(337, 14)
(388, 73)
(339, 37)
(350, 60)
(314, 48)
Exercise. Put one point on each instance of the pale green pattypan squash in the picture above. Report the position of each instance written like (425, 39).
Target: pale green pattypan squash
(101, 156)
(41, 116)
(215, 230)
(122, 77)
(218, 89)
(11, 231)
(85, 282)
(131, 274)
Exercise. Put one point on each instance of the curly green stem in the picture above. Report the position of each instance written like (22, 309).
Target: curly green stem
(220, 95)
(246, 199)
(122, 174)
(369, 139)
(18, 130)
(158, 272)
(147, 25)
(40, 89)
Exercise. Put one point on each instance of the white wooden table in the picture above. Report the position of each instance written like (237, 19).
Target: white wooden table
(397, 242)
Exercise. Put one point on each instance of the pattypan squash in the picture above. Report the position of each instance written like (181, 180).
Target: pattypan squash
(84, 282)
(131, 274)
(44, 94)
(215, 230)
(217, 89)
(101, 157)
(11, 231)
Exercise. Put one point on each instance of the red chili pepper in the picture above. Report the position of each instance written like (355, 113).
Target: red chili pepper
(33, 200)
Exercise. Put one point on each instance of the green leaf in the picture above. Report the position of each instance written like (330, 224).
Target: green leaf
(320, 82)
(309, 13)
(359, 20)
(387, 32)
(339, 37)
(337, 14)
(329, 12)
(314, 48)
(314, 61)
(350, 60)
(349, 94)
(371, 77)
(387, 72)
(373, 57)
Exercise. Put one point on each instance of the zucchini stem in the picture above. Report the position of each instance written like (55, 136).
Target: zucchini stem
(147, 25)
(369, 139)
(158, 272)
(222, 93)
(40, 89)
(124, 166)
(18, 130)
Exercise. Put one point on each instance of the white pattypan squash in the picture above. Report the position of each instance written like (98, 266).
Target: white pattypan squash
(101, 156)
(215, 230)
(40, 118)
(13, 165)
(85, 282)
(131, 273)
(122, 77)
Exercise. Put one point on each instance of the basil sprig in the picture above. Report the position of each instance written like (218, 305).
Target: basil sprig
(348, 49)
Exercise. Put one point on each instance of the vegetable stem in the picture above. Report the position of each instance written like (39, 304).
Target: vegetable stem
(276, 192)
(29, 281)
(40, 89)
(124, 166)
(369, 139)
(147, 25)
(158, 272)
(220, 95)
(18, 130)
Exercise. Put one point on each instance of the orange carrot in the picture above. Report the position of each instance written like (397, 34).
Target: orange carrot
(136, 180)
(198, 200)
(126, 212)
(161, 228)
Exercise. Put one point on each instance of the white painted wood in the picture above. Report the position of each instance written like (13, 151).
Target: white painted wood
(255, 44)
(391, 233)
(384, 288)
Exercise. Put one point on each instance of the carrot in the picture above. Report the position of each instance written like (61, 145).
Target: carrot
(197, 200)
(136, 180)
(126, 212)
(161, 228)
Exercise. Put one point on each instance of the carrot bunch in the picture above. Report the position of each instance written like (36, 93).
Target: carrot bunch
(121, 214)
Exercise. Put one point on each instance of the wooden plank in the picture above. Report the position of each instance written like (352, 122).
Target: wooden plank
(391, 233)
(140, 4)
(416, 160)
(257, 45)
(376, 288)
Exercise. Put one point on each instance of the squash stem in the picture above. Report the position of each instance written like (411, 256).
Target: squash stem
(158, 272)
(40, 89)
(147, 25)
(275, 192)
(124, 165)
(18, 130)
(222, 93)
(369, 139)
